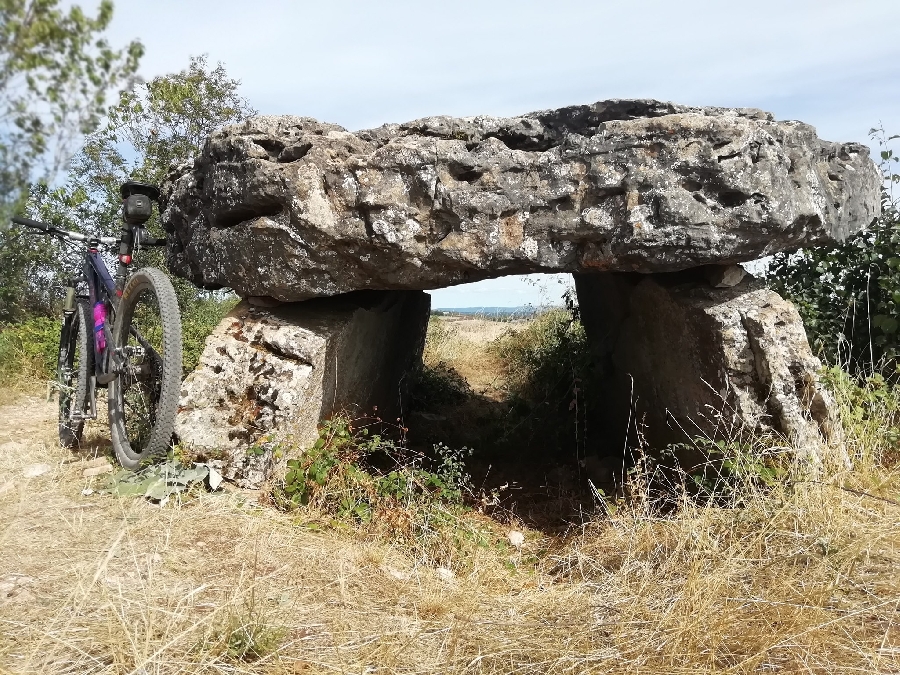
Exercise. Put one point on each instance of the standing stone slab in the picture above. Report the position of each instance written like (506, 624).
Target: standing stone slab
(689, 360)
(293, 208)
(272, 373)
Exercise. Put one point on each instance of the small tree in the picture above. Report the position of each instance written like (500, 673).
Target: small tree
(153, 126)
(55, 73)
(849, 296)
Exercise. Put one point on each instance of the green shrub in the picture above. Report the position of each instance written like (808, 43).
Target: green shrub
(849, 295)
(199, 317)
(29, 350)
(436, 385)
(548, 371)
(543, 361)
(870, 413)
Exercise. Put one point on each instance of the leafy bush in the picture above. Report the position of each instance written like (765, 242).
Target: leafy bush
(29, 350)
(849, 296)
(548, 369)
(543, 361)
(199, 317)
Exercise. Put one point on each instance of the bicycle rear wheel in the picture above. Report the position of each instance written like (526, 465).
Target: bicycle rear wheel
(147, 347)
(74, 368)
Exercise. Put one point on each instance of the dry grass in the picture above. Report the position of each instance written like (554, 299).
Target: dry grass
(803, 580)
(464, 343)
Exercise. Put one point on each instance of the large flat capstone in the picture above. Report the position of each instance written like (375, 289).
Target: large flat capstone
(293, 208)
(273, 374)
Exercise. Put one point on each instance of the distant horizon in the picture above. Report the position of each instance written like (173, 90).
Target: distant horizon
(494, 308)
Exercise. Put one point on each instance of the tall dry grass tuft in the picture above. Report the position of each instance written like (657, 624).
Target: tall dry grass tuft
(793, 575)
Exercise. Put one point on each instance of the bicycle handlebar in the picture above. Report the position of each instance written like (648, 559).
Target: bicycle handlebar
(145, 239)
(77, 236)
(28, 222)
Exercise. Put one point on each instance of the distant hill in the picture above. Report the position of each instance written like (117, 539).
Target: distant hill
(490, 312)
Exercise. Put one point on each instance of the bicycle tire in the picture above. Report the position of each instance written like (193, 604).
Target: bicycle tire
(143, 398)
(73, 370)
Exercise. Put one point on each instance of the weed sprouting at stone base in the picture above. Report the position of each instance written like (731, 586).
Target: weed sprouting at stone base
(355, 476)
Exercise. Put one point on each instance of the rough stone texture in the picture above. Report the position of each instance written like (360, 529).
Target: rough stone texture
(725, 276)
(270, 373)
(691, 360)
(292, 208)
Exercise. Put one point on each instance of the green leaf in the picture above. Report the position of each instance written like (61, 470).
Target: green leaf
(886, 323)
(158, 488)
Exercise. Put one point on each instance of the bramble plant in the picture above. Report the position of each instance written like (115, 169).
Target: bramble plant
(355, 476)
(731, 469)
(344, 462)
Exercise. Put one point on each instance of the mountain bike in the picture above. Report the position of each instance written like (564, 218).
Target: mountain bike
(123, 334)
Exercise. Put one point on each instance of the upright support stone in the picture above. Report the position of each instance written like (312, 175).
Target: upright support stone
(277, 372)
(688, 360)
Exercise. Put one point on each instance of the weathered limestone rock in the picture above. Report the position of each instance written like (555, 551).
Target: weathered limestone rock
(270, 373)
(292, 208)
(690, 360)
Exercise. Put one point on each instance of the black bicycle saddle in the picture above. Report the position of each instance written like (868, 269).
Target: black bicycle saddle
(132, 187)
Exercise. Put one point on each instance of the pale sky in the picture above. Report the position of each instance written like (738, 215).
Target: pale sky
(834, 64)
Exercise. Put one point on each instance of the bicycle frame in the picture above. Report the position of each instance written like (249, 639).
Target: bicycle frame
(103, 289)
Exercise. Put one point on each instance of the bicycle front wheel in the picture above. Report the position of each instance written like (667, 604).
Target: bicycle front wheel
(147, 351)
(74, 368)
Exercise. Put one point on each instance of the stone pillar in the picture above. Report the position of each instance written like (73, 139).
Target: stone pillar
(273, 373)
(686, 359)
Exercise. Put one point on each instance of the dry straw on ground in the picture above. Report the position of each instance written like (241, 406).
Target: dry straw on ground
(463, 343)
(802, 578)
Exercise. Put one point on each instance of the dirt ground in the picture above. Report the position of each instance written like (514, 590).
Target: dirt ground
(94, 584)
(802, 580)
